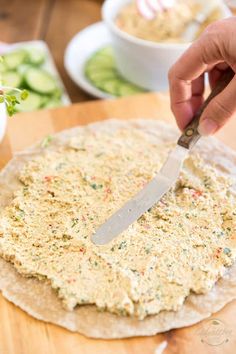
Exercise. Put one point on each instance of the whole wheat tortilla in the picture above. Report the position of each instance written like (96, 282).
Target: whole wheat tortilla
(38, 298)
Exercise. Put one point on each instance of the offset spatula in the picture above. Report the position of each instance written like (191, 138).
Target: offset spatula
(163, 181)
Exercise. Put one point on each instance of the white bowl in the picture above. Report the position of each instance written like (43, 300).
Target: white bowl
(3, 120)
(142, 62)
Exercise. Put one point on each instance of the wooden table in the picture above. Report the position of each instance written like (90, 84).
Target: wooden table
(20, 333)
(54, 21)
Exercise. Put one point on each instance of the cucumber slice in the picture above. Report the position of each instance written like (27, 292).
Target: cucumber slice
(23, 68)
(44, 100)
(52, 103)
(127, 89)
(57, 94)
(3, 67)
(14, 59)
(33, 102)
(102, 75)
(101, 61)
(109, 87)
(93, 66)
(11, 78)
(40, 81)
(36, 56)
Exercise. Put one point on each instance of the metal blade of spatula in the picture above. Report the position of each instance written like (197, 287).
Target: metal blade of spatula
(163, 181)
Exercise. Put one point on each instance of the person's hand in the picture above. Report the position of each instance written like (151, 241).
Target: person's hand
(213, 52)
(149, 8)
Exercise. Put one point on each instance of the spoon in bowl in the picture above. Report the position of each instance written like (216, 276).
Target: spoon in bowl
(149, 8)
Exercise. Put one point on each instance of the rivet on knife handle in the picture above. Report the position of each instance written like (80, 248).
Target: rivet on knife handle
(190, 135)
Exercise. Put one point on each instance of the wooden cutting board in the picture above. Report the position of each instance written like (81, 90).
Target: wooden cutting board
(20, 333)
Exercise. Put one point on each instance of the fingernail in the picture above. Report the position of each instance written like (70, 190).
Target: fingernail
(207, 127)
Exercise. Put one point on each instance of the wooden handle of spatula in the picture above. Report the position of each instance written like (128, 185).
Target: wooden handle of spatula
(190, 135)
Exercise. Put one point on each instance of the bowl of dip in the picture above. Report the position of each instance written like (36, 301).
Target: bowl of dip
(146, 49)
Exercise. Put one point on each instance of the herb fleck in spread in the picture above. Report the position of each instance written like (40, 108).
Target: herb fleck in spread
(184, 243)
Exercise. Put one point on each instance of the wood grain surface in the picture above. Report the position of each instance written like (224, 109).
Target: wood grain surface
(22, 334)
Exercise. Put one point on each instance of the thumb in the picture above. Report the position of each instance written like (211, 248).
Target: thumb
(219, 110)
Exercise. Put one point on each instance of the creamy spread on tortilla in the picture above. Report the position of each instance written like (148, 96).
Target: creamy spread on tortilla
(182, 244)
(168, 25)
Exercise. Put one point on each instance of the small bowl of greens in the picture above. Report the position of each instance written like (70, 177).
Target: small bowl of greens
(3, 120)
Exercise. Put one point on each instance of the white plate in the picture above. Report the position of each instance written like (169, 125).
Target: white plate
(49, 64)
(79, 49)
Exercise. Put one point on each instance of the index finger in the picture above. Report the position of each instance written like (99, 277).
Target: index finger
(201, 56)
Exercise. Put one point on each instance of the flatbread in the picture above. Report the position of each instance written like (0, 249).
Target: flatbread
(40, 300)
